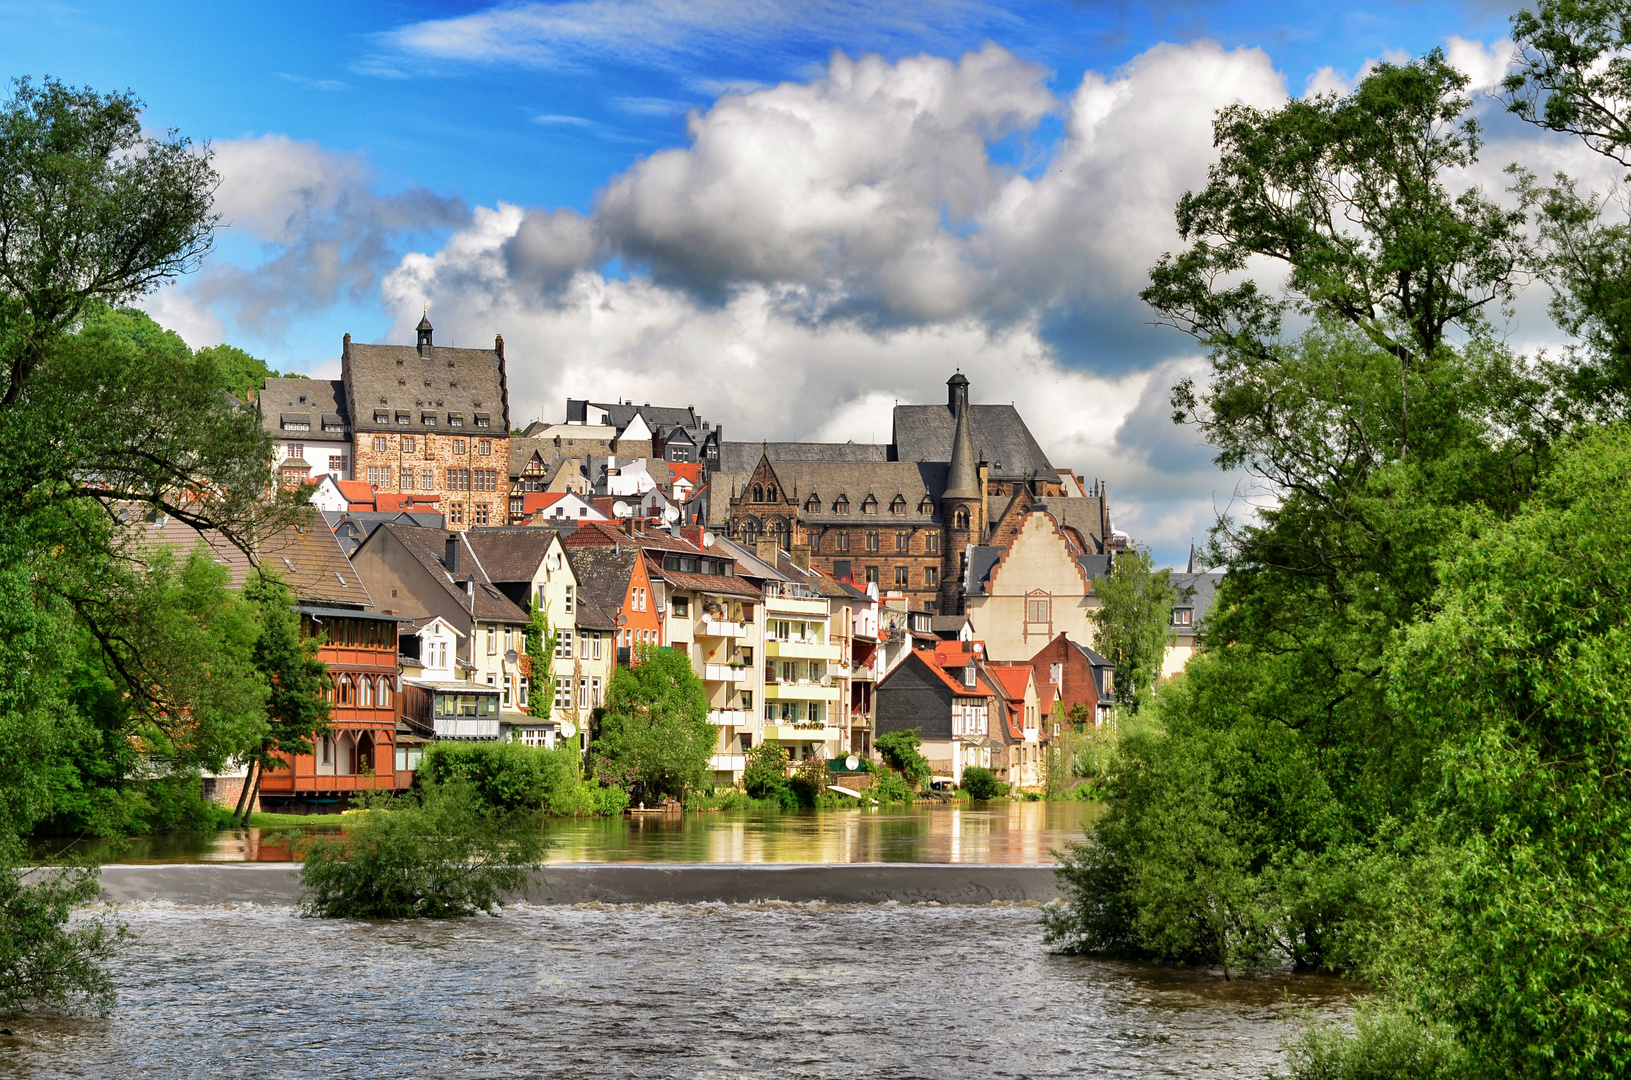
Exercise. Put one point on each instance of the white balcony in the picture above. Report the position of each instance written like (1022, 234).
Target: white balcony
(726, 673)
(728, 717)
(728, 762)
(452, 727)
(709, 628)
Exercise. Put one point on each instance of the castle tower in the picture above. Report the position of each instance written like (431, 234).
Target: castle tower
(961, 501)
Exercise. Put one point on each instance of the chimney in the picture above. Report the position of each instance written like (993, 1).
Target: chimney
(693, 533)
(450, 554)
(498, 345)
(766, 551)
(801, 556)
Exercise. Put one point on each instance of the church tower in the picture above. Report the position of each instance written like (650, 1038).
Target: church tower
(960, 503)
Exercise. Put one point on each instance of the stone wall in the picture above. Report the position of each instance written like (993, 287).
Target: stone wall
(474, 486)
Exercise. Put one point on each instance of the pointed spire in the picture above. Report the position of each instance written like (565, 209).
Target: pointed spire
(962, 478)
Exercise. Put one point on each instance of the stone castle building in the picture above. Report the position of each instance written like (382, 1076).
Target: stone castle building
(908, 515)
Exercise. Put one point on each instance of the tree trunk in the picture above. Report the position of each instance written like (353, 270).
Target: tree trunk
(243, 793)
(260, 772)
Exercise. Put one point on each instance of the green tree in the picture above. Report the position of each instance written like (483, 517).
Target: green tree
(901, 751)
(46, 960)
(655, 726)
(242, 374)
(765, 774)
(541, 639)
(980, 783)
(1132, 625)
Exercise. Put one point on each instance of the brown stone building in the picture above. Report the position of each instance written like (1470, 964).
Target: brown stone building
(426, 418)
(906, 515)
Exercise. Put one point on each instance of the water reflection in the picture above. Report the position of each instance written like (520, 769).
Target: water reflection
(1018, 832)
(761, 990)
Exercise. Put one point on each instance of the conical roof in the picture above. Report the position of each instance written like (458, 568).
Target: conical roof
(963, 477)
(424, 322)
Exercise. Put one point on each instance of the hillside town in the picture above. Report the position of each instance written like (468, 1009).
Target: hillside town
(825, 593)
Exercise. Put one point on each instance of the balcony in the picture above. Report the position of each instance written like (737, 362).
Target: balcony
(728, 717)
(728, 762)
(726, 673)
(709, 628)
(800, 733)
(801, 650)
(454, 727)
(795, 606)
(801, 691)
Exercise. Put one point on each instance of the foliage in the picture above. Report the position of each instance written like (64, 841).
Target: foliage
(236, 370)
(1131, 626)
(442, 852)
(980, 783)
(726, 799)
(809, 781)
(888, 786)
(507, 776)
(765, 774)
(541, 639)
(900, 752)
(1386, 1044)
(50, 961)
(655, 725)
(298, 707)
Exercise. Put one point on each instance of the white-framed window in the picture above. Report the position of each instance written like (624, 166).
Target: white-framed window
(563, 693)
(563, 643)
(492, 639)
(594, 693)
(384, 697)
(508, 682)
(595, 641)
(1182, 616)
(1056, 674)
(569, 600)
(521, 699)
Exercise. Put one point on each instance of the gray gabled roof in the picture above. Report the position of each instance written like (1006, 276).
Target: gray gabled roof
(427, 547)
(1201, 589)
(1085, 514)
(620, 414)
(317, 402)
(393, 378)
(603, 574)
(980, 561)
(510, 553)
(351, 528)
(1001, 439)
(744, 456)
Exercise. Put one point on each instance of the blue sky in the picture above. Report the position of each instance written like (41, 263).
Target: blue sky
(617, 189)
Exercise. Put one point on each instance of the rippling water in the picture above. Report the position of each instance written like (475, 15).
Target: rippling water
(1001, 832)
(653, 992)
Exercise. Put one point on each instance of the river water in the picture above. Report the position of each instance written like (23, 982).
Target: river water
(999, 832)
(771, 990)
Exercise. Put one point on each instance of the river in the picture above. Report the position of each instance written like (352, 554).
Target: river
(998, 832)
(653, 992)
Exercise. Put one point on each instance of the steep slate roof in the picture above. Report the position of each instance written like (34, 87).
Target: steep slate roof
(1205, 586)
(392, 378)
(307, 557)
(352, 527)
(324, 405)
(1084, 514)
(510, 552)
(603, 574)
(980, 561)
(744, 456)
(621, 414)
(427, 547)
(856, 480)
(925, 433)
(591, 616)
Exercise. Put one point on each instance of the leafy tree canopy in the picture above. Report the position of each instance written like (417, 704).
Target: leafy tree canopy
(655, 726)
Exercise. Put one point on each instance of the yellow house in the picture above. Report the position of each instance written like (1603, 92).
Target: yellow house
(1022, 596)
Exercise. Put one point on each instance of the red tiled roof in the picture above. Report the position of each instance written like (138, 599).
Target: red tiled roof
(357, 491)
(689, 471)
(1013, 676)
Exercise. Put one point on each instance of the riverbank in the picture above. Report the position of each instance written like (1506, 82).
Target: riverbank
(277, 884)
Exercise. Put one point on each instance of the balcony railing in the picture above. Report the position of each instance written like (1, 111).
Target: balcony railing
(710, 628)
(727, 673)
(728, 717)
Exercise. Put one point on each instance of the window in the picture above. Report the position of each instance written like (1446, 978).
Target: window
(455, 419)
(903, 541)
(458, 479)
(872, 575)
(583, 693)
(408, 444)
(563, 645)
(931, 575)
(381, 443)
(968, 674)
(455, 514)
(485, 480)
(384, 696)
(1038, 610)
(427, 479)
(336, 463)
(812, 504)
(872, 541)
(594, 693)
(345, 690)
(404, 418)
(380, 475)
(1056, 675)
(506, 695)
(899, 505)
(931, 543)
(770, 493)
(483, 420)
(1182, 616)
(869, 505)
(522, 698)
(381, 416)
(458, 446)
(960, 519)
(595, 642)
(478, 514)
(484, 447)
(902, 576)
(365, 691)
(492, 639)
(569, 599)
(841, 542)
(680, 606)
(926, 507)
(841, 506)
(296, 450)
(758, 493)
(563, 693)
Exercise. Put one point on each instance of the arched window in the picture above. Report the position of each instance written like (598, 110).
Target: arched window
(812, 504)
(365, 692)
(750, 530)
(960, 519)
(347, 696)
(384, 697)
(758, 493)
(770, 493)
(778, 532)
(899, 505)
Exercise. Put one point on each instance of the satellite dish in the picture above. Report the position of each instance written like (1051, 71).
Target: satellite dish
(510, 656)
(552, 561)
(671, 513)
(568, 729)
(622, 510)
(852, 763)
(708, 539)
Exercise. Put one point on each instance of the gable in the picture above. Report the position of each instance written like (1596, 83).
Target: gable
(1039, 559)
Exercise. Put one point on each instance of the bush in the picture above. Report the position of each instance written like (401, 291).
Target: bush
(1385, 1045)
(888, 786)
(808, 783)
(726, 799)
(765, 776)
(442, 852)
(46, 964)
(507, 776)
(980, 783)
(900, 752)
(610, 801)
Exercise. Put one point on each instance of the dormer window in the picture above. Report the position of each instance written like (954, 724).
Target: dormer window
(1183, 616)
(899, 505)
(812, 504)
(404, 418)
(483, 420)
(869, 505)
(455, 419)
(926, 507)
(968, 675)
(428, 419)
(381, 416)
(841, 506)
